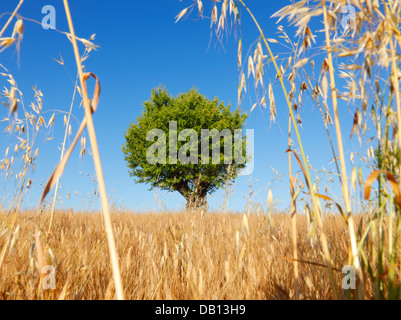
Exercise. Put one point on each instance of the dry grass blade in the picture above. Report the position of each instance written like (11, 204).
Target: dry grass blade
(40, 256)
(98, 166)
(11, 18)
(58, 171)
(322, 196)
(66, 132)
(309, 262)
(300, 165)
(324, 241)
(389, 177)
(344, 181)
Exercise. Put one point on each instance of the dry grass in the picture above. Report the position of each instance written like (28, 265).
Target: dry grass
(172, 256)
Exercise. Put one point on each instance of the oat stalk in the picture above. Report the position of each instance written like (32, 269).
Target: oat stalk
(61, 157)
(316, 206)
(344, 184)
(11, 18)
(97, 162)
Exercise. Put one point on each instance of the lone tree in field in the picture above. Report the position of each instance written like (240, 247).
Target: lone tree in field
(187, 143)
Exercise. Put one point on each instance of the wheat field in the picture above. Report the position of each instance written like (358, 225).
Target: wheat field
(171, 256)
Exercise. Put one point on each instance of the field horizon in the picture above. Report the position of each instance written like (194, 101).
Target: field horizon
(172, 256)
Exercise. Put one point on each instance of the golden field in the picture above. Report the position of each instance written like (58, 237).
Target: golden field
(171, 256)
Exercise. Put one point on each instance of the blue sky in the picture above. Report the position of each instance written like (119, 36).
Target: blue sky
(141, 47)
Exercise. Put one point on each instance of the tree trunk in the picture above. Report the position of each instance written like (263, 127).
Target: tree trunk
(196, 201)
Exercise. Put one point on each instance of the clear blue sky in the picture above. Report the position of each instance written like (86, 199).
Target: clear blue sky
(141, 47)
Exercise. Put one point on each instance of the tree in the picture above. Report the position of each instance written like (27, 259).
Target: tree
(187, 143)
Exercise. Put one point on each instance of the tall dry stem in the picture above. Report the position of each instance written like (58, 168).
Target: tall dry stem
(11, 18)
(98, 166)
(315, 203)
(61, 157)
(394, 72)
(344, 184)
(293, 215)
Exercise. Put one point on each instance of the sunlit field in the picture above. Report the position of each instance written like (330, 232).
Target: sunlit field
(173, 256)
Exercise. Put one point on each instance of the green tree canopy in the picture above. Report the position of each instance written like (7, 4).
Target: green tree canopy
(187, 116)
